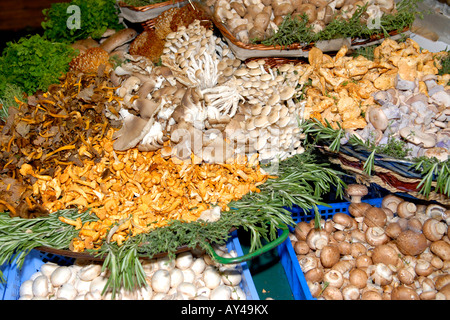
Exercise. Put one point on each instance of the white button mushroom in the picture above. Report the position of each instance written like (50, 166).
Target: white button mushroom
(26, 288)
(67, 291)
(189, 275)
(90, 272)
(237, 293)
(211, 277)
(221, 292)
(184, 260)
(48, 268)
(176, 277)
(231, 277)
(165, 263)
(41, 287)
(187, 289)
(198, 266)
(60, 276)
(82, 286)
(97, 285)
(161, 281)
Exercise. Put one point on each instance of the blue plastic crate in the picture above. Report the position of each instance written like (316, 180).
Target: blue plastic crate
(288, 257)
(35, 259)
(247, 283)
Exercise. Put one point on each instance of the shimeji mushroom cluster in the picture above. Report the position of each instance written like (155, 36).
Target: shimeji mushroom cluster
(398, 251)
(203, 101)
(191, 275)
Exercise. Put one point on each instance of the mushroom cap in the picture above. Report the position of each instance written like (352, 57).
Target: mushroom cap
(146, 107)
(375, 217)
(378, 118)
(357, 190)
(133, 130)
(411, 243)
(386, 254)
(418, 137)
(329, 255)
(358, 209)
(404, 293)
(117, 39)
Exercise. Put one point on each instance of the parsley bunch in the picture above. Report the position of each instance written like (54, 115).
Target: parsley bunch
(95, 17)
(34, 63)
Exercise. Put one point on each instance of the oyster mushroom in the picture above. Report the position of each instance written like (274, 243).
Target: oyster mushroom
(118, 39)
(418, 137)
(133, 129)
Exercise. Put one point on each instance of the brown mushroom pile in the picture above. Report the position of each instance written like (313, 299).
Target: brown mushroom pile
(248, 20)
(207, 102)
(398, 251)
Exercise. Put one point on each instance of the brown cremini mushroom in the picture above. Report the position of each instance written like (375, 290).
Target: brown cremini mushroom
(329, 255)
(404, 293)
(356, 192)
(411, 243)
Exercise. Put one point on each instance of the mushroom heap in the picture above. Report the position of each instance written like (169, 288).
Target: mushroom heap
(272, 108)
(250, 20)
(398, 251)
(343, 87)
(190, 276)
(204, 101)
(419, 115)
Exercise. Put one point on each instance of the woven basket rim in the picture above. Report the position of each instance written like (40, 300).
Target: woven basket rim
(150, 6)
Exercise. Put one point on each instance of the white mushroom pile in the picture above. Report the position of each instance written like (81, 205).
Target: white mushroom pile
(190, 276)
(272, 109)
(249, 20)
(210, 105)
(419, 117)
(398, 251)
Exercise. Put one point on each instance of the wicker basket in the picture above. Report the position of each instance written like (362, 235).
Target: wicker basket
(245, 51)
(397, 176)
(148, 12)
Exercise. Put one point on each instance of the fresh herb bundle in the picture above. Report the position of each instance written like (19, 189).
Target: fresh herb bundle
(444, 67)
(292, 30)
(96, 16)
(34, 63)
(19, 236)
(296, 30)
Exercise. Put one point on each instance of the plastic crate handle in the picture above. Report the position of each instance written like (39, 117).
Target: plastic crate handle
(269, 246)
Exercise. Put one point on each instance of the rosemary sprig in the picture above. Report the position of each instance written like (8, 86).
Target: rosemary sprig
(19, 236)
(292, 30)
(319, 132)
(433, 170)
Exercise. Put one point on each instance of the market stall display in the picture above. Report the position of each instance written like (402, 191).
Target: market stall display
(151, 142)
